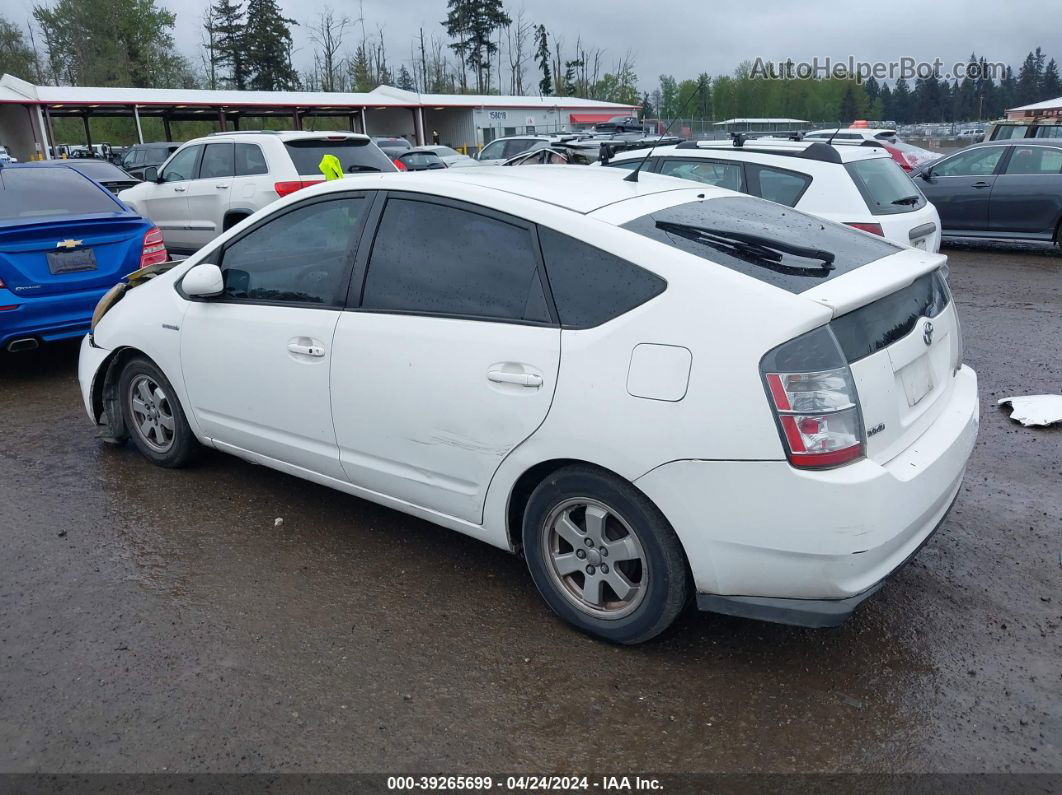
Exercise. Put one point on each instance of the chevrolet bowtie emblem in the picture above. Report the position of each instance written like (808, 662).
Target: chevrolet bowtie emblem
(68, 243)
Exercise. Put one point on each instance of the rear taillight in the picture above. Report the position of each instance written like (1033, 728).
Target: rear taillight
(810, 387)
(153, 251)
(874, 229)
(284, 188)
(399, 164)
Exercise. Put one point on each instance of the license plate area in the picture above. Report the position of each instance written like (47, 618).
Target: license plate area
(71, 261)
(917, 380)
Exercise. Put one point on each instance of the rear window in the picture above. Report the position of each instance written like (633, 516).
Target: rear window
(43, 192)
(416, 159)
(746, 215)
(354, 154)
(884, 186)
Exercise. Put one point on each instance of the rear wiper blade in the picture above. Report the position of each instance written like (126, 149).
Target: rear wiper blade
(906, 200)
(768, 247)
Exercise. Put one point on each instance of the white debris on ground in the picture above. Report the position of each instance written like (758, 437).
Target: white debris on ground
(278, 521)
(1035, 409)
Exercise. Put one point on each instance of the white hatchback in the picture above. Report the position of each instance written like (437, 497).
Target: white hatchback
(656, 391)
(860, 186)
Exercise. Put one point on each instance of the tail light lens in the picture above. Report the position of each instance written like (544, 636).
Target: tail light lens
(399, 164)
(810, 387)
(284, 188)
(153, 252)
(874, 229)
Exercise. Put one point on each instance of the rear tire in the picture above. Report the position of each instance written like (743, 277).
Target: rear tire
(154, 416)
(603, 556)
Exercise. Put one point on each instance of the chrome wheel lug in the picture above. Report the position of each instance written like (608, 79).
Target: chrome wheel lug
(589, 569)
(580, 553)
(604, 568)
(604, 552)
(589, 542)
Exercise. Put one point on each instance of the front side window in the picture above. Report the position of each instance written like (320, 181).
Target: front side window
(711, 172)
(217, 161)
(302, 257)
(778, 185)
(1035, 160)
(493, 151)
(591, 286)
(182, 166)
(442, 260)
(974, 163)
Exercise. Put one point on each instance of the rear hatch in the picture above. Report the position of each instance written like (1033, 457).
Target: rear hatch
(356, 155)
(61, 232)
(892, 197)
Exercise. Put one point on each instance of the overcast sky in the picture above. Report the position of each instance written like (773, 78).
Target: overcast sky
(691, 36)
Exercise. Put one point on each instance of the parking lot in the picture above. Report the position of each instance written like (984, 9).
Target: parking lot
(163, 620)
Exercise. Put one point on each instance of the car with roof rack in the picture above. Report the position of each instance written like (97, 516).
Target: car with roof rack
(210, 184)
(657, 391)
(857, 185)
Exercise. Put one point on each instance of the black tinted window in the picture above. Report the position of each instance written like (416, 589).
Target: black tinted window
(884, 186)
(355, 155)
(746, 215)
(301, 257)
(438, 259)
(46, 191)
(250, 160)
(778, 185)
(591, 286)
(217, 161)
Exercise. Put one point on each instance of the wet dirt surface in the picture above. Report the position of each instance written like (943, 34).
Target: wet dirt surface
(155, 620)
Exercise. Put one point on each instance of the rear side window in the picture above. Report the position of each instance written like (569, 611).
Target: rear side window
(42, 192)
(779, 185)
(711, 172)
(355, 155)
(1035, 160)
(884, 186)
(442, 260)
(217, 161)
(591, 286)
(250, 160)
(744, 215)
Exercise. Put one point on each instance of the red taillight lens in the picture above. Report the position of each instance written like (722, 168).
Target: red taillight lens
(284, 188)
(874, 229)
(399, 164)
(153, 251)
(814, 400)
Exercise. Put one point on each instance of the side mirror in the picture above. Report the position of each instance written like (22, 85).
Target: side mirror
(203, 281)
(927, 173)
(151, 174)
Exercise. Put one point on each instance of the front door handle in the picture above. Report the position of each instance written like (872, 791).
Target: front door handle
(981, 185)
(520, 379)
(306, 350)
(180, 189)
(221, 187)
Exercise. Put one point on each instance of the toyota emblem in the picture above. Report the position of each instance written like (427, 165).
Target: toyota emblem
(927, 333)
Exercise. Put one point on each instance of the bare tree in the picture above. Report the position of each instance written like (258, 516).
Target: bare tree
(210, 55)
(327, 33)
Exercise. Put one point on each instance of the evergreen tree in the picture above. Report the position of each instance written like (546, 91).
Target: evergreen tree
(16, 57)
(1005, 96)
(885, 101)
(1029, 77)
(849, 106)
(360, 72)
(648, 111)
(1050, 85)
(545, 84)
(472, 23)
(928, 99)
(229, 25)
(902, 105)
(267, 38)
(405, 79)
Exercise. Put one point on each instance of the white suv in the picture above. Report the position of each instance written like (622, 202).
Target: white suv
(212, 183)
(857, 185)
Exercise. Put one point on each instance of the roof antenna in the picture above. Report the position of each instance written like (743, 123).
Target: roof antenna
(633, 176)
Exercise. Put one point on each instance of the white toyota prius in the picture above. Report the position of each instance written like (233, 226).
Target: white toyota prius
(658, 392)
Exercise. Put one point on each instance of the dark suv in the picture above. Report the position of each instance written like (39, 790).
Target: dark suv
(140, 156)
(1005, 189)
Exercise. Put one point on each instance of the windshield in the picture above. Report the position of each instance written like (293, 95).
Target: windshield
(50, 191)
(355, 154)
(764, 240)
(884, 186)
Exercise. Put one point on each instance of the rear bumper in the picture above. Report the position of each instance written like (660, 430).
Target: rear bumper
(769, 541)
(48, 317)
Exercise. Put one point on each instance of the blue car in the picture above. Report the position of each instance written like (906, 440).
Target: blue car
(64, 241)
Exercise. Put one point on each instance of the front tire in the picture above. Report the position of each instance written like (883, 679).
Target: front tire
(603, 556)
(154, 416)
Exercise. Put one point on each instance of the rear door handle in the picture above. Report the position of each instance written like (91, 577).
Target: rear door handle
(520, 379)
(981, 185)
(306, 350)
(221, 187)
